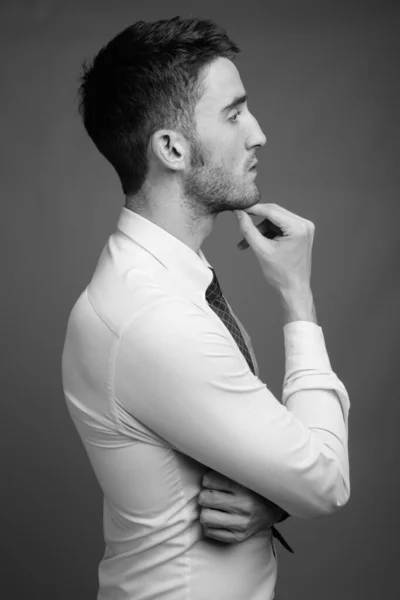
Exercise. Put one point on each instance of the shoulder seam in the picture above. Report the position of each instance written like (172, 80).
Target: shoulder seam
(99, 315)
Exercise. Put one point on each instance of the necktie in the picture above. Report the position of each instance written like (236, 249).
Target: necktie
(218, 303)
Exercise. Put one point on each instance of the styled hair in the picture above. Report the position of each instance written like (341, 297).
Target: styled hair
(148, 77)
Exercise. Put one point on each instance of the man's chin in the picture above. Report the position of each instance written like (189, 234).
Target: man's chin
(243, 204)
(254, 199)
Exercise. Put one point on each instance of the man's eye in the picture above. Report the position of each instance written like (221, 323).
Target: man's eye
(233, 118)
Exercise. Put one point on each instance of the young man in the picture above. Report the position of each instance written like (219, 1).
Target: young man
(196, 458)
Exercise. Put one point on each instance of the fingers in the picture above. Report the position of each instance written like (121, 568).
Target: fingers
(267, 229)
(222, 520)
(266, 209)
(217, 481)
(224, 535)
(276, 214)
(281, 217)
(216, 499)
(224, 501)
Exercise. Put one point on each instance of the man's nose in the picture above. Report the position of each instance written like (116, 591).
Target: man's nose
(261, 137)
(257, 137)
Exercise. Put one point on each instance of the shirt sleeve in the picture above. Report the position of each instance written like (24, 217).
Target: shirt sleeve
(178, 372)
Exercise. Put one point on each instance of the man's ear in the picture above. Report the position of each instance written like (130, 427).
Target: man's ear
(171, 149)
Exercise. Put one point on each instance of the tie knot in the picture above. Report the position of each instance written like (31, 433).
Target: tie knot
(213, 291)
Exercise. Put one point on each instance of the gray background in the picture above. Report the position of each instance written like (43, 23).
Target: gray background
(323, 82)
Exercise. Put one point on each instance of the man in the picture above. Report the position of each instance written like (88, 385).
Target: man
(196, 458)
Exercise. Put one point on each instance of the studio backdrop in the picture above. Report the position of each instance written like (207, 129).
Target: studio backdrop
(322, 79)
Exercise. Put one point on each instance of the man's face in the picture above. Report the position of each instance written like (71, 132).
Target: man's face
(223, 150)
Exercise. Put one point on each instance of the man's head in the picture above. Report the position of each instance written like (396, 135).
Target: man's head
(153, 101)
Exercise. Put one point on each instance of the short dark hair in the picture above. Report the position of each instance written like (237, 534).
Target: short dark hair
(147, 78)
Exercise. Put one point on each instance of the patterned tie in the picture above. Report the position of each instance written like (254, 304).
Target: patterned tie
(218, 303)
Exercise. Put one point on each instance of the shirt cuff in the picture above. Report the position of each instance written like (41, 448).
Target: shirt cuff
(305, 347)
(307, 364)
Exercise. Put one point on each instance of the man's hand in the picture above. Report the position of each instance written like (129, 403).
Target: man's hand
(232, 513)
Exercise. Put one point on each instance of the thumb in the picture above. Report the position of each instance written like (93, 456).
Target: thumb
(250, 232)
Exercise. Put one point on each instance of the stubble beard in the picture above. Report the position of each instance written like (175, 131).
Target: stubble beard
(211, 188)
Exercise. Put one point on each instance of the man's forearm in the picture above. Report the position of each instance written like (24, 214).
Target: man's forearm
(298, 305)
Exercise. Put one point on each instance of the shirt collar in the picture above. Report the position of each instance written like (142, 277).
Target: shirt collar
(177, 257)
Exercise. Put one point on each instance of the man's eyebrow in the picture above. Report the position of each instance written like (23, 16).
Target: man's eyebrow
(235, 102)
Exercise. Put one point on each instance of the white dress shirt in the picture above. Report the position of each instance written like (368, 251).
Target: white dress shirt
(160, 392)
